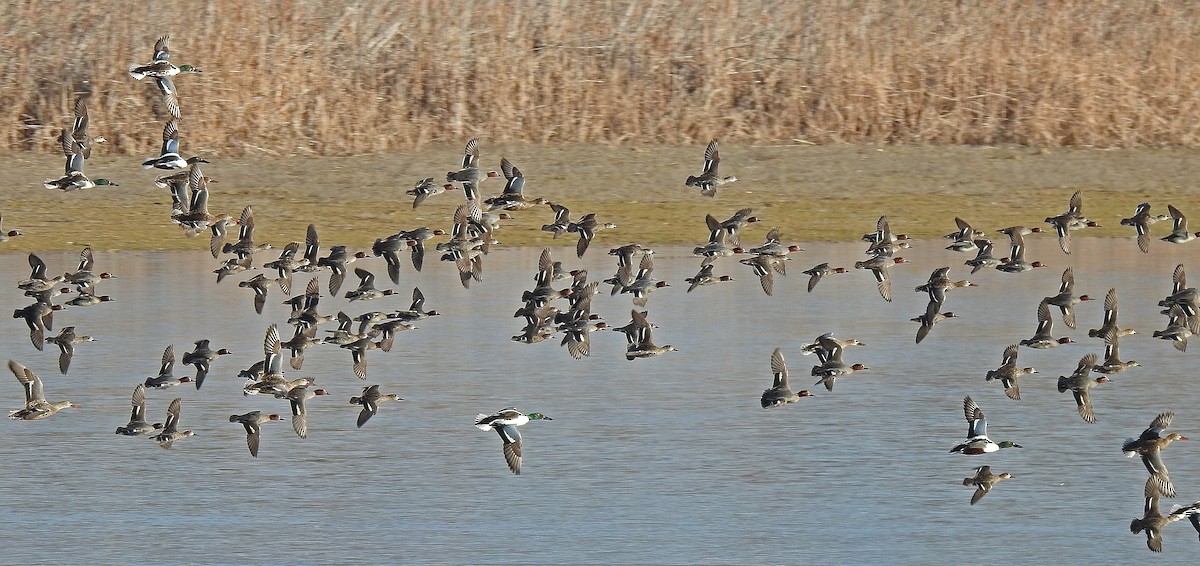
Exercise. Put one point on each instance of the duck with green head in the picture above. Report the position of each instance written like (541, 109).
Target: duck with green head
(160, 65)
(977, 441)
(505, 423)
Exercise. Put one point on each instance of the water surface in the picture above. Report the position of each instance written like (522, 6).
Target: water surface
(664, 460)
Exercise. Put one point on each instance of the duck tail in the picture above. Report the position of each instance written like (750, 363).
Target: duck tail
(136, 73)
(1063, 384)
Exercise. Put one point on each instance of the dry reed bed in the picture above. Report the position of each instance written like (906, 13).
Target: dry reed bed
(337, 78)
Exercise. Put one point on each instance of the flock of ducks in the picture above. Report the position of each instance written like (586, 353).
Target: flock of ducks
(470, 240)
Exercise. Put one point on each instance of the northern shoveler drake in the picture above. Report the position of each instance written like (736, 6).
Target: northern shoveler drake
(370, 400)
(1141, 221)
(168, 155)
(160, 65)
(1080, 384)
(1150, 445)
(170, 431)
(709, 179)
(505, 423)
(780, 394)
(74, 179)
(1008, 372)
(36, 405)
(977, 441)
(252, 421)
(984, 480)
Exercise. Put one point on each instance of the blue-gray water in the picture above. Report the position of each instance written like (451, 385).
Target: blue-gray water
(663, 460)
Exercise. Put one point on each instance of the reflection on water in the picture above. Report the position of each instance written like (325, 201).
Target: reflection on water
(665, 460)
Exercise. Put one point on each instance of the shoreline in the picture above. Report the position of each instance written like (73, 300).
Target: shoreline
(812, 193)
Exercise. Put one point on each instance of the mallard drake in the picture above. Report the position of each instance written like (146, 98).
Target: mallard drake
(505, 423)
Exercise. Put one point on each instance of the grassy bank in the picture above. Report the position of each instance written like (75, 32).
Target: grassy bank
(338, 78)
(812, 193)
